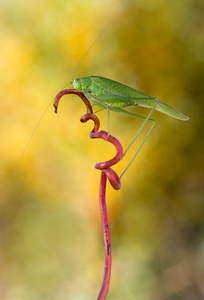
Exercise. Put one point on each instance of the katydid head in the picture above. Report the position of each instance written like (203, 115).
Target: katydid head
(82, 84)
(77, 84)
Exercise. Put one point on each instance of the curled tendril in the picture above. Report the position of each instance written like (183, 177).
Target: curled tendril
(111, 175)
(75, 92)
(114, 180)
(106, 173)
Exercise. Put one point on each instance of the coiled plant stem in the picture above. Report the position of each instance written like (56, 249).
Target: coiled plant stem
(106, 173)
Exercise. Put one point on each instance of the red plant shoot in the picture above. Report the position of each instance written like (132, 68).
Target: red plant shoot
(106, 173)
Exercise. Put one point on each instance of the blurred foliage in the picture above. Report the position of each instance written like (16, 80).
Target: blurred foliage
(50, 232)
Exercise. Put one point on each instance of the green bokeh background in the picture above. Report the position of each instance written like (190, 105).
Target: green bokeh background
(51, 243)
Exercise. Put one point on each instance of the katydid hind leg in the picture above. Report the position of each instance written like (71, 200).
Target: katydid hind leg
(134, 156)
(136, 136)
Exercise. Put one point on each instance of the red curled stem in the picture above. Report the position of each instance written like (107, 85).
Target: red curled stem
(105, 136)
(72, 91)
(109, 138)
(106, 172)
(93, 117)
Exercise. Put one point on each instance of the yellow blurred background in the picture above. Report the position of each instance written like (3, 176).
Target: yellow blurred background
(51, 244)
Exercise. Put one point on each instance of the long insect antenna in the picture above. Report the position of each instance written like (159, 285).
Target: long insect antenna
(40, 119)
(96, 40)
(29, 140)
(65, 86)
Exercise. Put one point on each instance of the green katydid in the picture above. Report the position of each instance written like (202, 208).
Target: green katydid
(114, 96)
